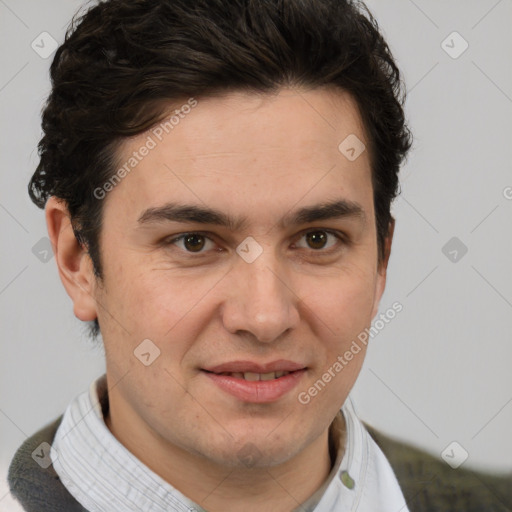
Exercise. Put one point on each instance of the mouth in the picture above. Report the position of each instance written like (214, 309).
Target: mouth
(256, 383)
(253, 368)
(252, 376)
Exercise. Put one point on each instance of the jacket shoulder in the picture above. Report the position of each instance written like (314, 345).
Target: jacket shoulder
(430, 484)
(32, 479)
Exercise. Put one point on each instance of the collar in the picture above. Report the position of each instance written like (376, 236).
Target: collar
(101, 474)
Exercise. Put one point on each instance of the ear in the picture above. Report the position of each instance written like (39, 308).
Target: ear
(383, 267)
(73, 261)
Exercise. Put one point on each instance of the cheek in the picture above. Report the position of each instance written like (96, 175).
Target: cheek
(162, 304)
(340, 313)
(343, 303)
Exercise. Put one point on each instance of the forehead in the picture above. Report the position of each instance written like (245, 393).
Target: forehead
(244, 151)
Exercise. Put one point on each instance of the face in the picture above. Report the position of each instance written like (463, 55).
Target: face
(243, 246)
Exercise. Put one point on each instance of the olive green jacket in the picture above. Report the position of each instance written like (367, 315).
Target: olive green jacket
(428, 483)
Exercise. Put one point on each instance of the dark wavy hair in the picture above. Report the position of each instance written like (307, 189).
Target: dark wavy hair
(124, 62)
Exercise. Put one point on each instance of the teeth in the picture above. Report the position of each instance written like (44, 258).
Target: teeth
(261, 376)
(251, 376)
(255, 376)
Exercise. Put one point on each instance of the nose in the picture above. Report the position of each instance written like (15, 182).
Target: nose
(261, 301)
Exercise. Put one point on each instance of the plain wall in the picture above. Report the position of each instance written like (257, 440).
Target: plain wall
(441, 370)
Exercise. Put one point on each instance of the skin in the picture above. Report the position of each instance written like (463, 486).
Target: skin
(260, 157)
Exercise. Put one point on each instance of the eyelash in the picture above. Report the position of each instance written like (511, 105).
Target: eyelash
(341, 239)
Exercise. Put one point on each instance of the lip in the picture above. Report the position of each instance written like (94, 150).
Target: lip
(281, 365)
(261, 391)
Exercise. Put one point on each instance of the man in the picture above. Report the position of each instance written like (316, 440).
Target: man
(217, 181)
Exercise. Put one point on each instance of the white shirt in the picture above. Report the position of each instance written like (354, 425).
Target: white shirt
(103, 476)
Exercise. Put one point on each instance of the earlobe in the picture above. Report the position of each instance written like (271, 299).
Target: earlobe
(73, 261)
(382, 268)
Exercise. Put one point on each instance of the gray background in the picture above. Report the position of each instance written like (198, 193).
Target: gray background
(441, 370)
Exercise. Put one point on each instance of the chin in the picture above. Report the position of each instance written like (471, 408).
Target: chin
(251, 451)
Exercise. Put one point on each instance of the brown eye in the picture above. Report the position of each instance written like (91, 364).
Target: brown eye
(316, 239)
(194, 242)
(321, 241)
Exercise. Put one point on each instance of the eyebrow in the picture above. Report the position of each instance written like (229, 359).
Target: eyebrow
(175, 212)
